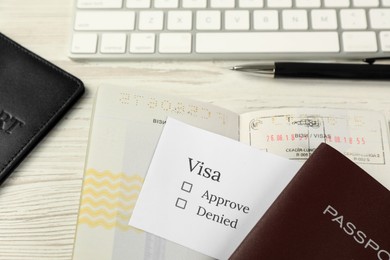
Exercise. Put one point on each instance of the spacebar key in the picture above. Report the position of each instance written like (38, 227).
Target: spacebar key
(267, 42)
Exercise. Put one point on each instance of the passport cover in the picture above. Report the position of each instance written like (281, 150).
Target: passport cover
(34, 95)
(331, 209)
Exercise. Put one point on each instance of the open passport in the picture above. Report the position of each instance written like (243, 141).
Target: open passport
(127, 124)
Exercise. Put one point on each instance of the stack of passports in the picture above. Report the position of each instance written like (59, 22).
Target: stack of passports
(332, 209)
(34, 95)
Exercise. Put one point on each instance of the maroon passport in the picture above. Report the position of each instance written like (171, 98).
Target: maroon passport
(331, 209)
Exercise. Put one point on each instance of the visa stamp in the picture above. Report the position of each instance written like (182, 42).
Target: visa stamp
(295, 134)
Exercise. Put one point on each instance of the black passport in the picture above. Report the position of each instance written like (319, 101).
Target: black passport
(34, 95)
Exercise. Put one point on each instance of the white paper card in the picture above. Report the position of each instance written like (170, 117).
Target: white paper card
(206, 191)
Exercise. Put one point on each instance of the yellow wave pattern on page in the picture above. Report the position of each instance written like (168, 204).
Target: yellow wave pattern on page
(108, 199)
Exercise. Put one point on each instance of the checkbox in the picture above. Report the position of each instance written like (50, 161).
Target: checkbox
(186, 186)
(180, 203)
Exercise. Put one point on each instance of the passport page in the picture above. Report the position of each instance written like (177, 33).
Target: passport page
(294, 133)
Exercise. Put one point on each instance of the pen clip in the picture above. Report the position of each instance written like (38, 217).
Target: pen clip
(374, 59)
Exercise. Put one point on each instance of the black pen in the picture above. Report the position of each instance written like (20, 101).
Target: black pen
(320, 70)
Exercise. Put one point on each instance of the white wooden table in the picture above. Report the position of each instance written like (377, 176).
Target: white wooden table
(39, 202)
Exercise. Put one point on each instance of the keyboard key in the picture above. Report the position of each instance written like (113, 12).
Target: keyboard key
(175, 43)
(237, 20)
(84, 43)
(380, 18)
(308, 3)
(99, 3)
(265, 20)
(385, 41)
(179, 20)
(324, 19)
(295, 19)
(222, 3)
(366, 3)
(194, 3)
(251, 3)
(208, 20)
(138, 3)
(386, 2)
(166, 3)
(267, 42)
(104, 20)
(142, 43)
(359, 42)
(151, 20)
(336, 3)
(113, 43)
(353, 19)
(279, 3)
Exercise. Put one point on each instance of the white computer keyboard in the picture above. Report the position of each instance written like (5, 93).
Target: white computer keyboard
(230, 29)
